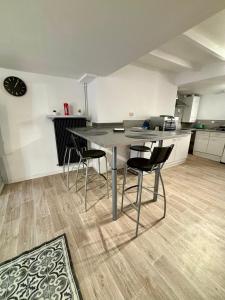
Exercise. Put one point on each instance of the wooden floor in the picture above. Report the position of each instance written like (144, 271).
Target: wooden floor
(180, 257)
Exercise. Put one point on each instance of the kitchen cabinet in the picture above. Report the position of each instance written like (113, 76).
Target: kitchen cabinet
(216, 146)
(171, 159)
(209, 145)
(190, 109)
(182, 146)
(201, 142)
(180, 150)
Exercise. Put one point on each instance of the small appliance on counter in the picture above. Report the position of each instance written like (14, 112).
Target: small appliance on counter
(163, 123)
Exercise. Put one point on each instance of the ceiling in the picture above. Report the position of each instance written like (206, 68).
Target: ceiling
(73, 37)
(214, 29)
(197, 56)
(201, 45)
(208, 86)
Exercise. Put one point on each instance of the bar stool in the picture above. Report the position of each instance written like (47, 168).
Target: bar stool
(85, 156)
(69, 148)
(128, 124)
(141, 148)
(140, 165)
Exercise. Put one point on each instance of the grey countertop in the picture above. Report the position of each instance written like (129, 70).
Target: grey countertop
(105, 137)
(211, 130)
(203, 129)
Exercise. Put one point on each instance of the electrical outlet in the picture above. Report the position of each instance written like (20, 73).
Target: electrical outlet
(131, 114)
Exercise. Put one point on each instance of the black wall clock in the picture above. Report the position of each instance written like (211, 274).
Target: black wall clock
(15, 86)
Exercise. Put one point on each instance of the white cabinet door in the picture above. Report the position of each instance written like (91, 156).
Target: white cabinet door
(182, 146)
(201, 142)
(216, 146)
(171, 159)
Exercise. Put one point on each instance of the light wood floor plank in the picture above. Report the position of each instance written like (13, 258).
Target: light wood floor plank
(179, 257)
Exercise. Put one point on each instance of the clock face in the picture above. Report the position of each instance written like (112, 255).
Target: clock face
(15, 86)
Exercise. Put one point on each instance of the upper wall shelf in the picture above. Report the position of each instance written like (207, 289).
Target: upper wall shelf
(52, 117)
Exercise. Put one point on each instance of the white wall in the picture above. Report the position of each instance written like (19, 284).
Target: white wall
(29, 148)
(2, 167)
(27, 136)
(212, 107)
(132, 89)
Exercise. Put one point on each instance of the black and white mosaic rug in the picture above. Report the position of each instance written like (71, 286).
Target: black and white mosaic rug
(44, 272)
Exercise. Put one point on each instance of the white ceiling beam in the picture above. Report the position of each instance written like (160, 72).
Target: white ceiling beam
(172, 59)
(205, 43)
(206, 72)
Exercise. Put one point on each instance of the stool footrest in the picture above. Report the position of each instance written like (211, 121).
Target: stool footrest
(144, 187)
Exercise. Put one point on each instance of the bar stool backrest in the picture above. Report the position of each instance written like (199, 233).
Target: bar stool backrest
(160, 155)
(76, 142)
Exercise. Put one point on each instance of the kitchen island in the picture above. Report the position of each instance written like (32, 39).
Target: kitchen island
(107, 138)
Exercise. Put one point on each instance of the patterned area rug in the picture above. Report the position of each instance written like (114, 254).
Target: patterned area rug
(44, 272)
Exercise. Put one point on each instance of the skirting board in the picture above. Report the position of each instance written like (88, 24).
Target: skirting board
(174, 163)
(74, 166)
(208, 156)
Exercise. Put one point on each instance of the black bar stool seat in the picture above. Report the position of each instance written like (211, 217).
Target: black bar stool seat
(139, 163)
(140, 148)
(93, 153)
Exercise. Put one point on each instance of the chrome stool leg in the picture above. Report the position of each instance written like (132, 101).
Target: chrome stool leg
(64, 160)
(83, 169)
(140, 180)
(86, 178)
(124, 184)
(99, 170)
(164, 194)
(107, 176)
(138, 187)
(68, 170)
(77, 173)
